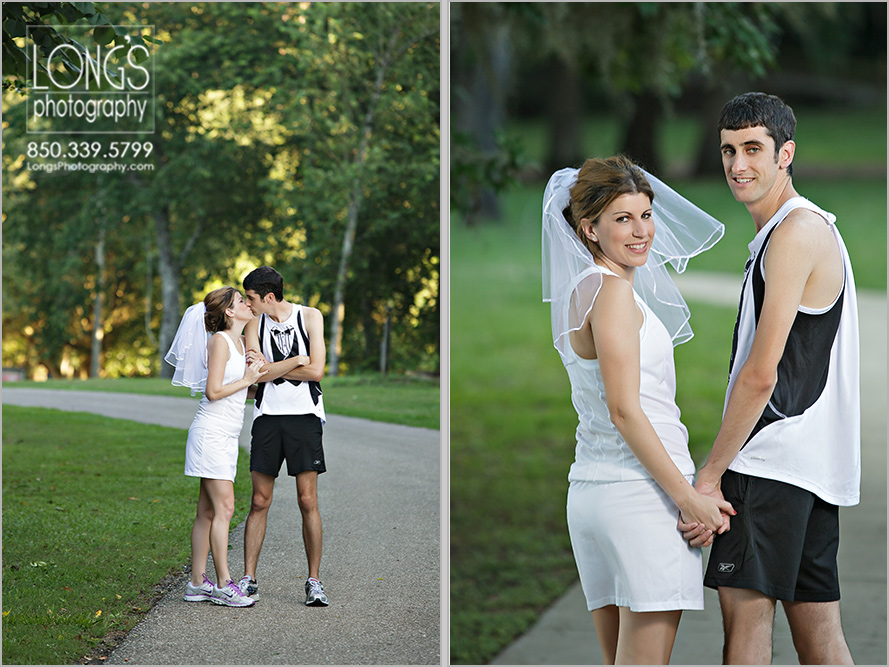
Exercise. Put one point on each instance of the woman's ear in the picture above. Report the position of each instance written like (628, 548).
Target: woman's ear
(588, 231)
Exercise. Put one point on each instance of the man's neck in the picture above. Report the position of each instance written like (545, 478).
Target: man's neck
(763, 209)
(281, 311)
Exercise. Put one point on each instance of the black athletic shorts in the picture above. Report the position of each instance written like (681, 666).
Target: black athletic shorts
(296, 438)
(783, 542)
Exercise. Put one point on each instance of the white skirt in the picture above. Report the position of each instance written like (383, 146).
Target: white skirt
(211, 454)
(628, 549)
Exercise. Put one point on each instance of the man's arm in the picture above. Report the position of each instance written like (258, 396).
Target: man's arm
(312, 367)
(789, 262)
(300, 367)
(271, 371)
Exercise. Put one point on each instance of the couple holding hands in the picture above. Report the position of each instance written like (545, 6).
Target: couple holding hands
(787, 454)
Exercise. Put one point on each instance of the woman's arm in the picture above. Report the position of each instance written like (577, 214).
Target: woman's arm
(218, 354)
(615, 322)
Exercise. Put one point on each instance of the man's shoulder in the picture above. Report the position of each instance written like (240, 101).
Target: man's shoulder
(312, 314)
(801, 230)
(802, 219)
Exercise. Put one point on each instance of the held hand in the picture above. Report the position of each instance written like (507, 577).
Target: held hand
(710, 512)
(695, 533)
(253, 371)
(253, 354)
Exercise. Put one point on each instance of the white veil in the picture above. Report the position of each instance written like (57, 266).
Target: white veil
(188, 353)
(571, 279)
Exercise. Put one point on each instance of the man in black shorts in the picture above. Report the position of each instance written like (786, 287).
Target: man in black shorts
(288, 416)
(787, 455)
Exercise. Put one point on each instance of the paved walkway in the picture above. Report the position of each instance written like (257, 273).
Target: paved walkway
(381, 568)
(564, 635)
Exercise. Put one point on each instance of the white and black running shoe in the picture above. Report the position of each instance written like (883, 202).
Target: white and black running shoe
(315, 596)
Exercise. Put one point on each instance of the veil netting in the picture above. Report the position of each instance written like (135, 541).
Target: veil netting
(571, 278)
(188, 352)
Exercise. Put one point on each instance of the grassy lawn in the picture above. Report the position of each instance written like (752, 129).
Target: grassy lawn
(511, 420)
(91, 523)
(412, 401)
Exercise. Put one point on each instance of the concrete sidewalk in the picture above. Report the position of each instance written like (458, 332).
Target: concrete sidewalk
(381, 568)
(564, 635)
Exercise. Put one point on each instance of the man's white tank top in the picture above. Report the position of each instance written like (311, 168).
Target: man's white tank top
(809, 434)
(282, 340)
(602, 454)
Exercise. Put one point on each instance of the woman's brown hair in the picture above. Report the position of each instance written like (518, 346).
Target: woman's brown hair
(216, 303)
(599, 182)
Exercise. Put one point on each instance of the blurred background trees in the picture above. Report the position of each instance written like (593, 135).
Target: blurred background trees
(560, 64)
(304, 136)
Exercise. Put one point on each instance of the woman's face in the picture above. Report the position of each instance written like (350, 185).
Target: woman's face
(624, 232)
(240, 309)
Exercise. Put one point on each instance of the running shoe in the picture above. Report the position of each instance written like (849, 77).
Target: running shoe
(248, 586)
(315, 593)
(230, 596)
(199, 593)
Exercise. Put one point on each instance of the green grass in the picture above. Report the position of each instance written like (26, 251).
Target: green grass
(511, 420)
(91, 523)
(396, 399)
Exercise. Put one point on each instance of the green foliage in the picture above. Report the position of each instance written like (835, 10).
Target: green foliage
(91, 523)
(474, 170)
(656, 46)
(259, 112)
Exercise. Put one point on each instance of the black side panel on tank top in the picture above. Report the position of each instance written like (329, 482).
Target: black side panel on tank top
(803, 369)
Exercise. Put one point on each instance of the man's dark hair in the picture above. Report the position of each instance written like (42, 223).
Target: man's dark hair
(265, 280)
(760, 109)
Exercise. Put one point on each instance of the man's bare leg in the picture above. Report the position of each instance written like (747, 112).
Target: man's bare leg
(748, 618)
(818, 633)
(307, 493)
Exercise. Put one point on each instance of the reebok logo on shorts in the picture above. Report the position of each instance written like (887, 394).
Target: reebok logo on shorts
(726, 567)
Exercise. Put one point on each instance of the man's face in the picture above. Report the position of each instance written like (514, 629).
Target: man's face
(749, 161)
(254, 302)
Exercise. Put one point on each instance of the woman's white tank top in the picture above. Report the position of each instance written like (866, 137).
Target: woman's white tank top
(226, 415)
(602, 454)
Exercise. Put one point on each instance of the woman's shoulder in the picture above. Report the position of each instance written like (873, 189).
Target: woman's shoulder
(218, 341)
(616, 288)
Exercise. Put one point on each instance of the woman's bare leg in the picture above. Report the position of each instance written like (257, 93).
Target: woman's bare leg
(607, 622)
(646, 638)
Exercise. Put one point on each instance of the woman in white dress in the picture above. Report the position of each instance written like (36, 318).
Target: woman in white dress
(616, 315)
(217, 367)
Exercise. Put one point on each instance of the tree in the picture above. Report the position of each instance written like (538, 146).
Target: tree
(364, 123)
(259, 124)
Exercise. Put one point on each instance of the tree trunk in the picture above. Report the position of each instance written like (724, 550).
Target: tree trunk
(384, 345)
(338, 312)
(98, 326)
(482, 106)
(640, 137)
(168, 269)
(565, 99)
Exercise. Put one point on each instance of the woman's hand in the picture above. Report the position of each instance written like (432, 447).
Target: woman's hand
(254, 370)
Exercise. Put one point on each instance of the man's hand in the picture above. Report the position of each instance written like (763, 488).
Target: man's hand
(695, 533)
(253, 355)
